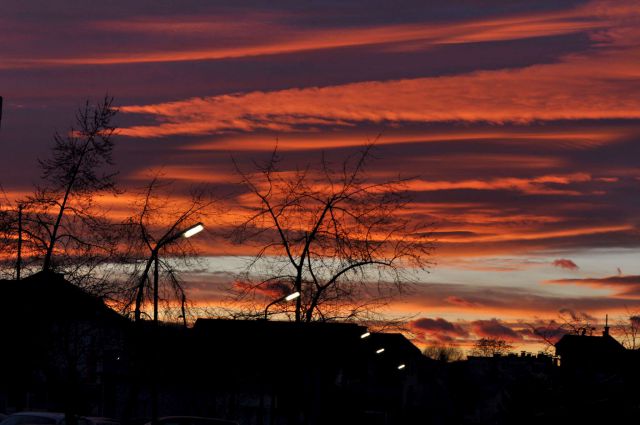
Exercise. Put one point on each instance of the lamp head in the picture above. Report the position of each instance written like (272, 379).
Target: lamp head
(292, 296)
(196, 228)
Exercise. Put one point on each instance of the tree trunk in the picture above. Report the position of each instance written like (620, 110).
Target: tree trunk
(54, 233)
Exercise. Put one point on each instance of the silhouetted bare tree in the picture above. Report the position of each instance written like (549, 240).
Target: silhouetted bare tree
(73, 176)
(8, 236)
(567, 322)
(576, 322)
(62, 228)
(345, 242)
(489, 347)
(627, 329)
(443, 353)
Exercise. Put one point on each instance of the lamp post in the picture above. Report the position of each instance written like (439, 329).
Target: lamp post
(289, 297)
(164, 241)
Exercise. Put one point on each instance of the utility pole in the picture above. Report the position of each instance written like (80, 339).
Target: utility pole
(19, 260)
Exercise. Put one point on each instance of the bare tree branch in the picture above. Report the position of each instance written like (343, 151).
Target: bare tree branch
(334, 236)
(153, 232)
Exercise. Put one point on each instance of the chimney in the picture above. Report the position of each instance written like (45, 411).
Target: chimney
(606, 326)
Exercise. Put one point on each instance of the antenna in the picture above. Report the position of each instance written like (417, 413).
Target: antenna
(606, 325)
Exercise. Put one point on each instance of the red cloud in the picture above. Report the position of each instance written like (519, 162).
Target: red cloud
(550, 333)
(494, 329)
(270, 289)
(627, 285)
(439, 328)
(460, 301)
(611, 280)
(564, 263)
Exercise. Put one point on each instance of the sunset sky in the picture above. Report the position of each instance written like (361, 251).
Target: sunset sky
(519, 119)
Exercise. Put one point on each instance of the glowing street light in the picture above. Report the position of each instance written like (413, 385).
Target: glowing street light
(292, 296)
(168, 239)
(380, 351)
(196, 228)
(402, 366)
(365, 335)
(289, 297)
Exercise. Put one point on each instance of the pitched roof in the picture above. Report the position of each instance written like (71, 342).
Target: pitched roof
(589, 345)
(48, 295)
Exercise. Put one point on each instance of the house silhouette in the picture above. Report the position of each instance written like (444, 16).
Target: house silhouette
(65, 350)
(582, 351)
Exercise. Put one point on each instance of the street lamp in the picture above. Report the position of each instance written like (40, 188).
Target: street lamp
(167, 239)
(164, 241)
(289, 297)
(197, 228)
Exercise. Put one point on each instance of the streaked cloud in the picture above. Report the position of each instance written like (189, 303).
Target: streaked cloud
(275, 37)
(446, 299)
(571, 90)
(621, 284)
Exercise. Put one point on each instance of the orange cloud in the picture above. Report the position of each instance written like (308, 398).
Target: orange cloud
(532, 233)
(192, 173)
(576, 87)
(535, 185)
(571, 138)
(276, 38)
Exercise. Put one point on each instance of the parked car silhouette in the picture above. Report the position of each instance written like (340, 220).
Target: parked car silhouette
(35, 418)
(50, 418)
(191, 420)
(101, 421)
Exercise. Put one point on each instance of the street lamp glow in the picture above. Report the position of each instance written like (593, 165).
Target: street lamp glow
(380, 351)
(193, 230)
(402, 366)
(365, 335)
(289, 297)
(292, 296)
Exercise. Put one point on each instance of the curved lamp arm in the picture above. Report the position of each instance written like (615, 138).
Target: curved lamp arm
(289, 297)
